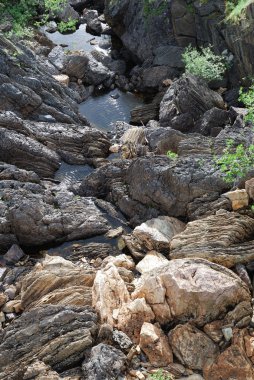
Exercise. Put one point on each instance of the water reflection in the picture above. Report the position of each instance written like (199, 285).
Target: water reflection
(104, 110)
(72, 173)
(79, 40)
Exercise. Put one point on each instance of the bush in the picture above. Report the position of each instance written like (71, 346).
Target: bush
(247, 98)
(236, 162)
(236, 9)
(69, 26)
(172, 155)
(161, 375)
(204, 63)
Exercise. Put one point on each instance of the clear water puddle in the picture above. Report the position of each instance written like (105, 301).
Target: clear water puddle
(72, 173)
(79, 40)
(104, 110)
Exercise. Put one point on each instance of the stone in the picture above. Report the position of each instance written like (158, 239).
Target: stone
(112, 234)
(13, 306)
(134, 135)
(109, 293)
(155, 345)
(156, 234)
(150, 262)
(56, 281)
(63, 79)
(192, 347)
(3, 299)
(40, 371)
(105, 362)
(120, 261)
(59, 340)
(122, 340)
(14, 254)
(232, 363)
(226, 241)
(249, 187)
(131, 317)
(239, 198)
(186, 289)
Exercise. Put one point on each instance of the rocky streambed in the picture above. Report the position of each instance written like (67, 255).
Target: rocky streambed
(124, 251)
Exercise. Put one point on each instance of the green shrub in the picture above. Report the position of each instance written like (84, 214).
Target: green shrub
(236, 162)
(204, 63)
(69, 26)
(247, 98)
(160, 375)
(236, 9)
(172, 155)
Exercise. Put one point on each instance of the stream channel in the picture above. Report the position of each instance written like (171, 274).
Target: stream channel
(102, 111)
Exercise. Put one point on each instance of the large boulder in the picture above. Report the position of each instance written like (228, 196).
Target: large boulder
(55, 335)
(189, 96)
(224, 238)
(191, 289)
(56, 281)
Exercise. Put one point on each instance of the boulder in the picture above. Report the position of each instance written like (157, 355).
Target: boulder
(233, 363)
(156, 234)
(59, 340)
(239, 198)
(191, 289)
(249, 187)
(226, 241)
(56, 281)
(155, 345)
(192, 347)
(188, 95)
(105, 362)
(150, 262)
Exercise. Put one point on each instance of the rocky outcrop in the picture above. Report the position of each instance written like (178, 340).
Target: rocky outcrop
(224, 238)
(32, 215)
(186, 101)
(157, 33)
(60, 339)
(28, 88)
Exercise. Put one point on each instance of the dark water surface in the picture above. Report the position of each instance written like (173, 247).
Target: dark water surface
(104, 110)
(72, 173)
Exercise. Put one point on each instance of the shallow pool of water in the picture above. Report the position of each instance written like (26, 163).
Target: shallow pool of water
(72, 173)
(104, 110)
(79, 40)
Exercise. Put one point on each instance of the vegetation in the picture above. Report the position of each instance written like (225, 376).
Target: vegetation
(247, 98)
(204, 63)
(161, 375)
(26, 13)
(236, 162)
(172, 155)
(236, 9)
(154, 7)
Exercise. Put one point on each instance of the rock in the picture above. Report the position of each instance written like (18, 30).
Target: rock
(188, 95)
(109, 293)
(89, 14)
(131, 317)
(3, 299)
(150, 262)
(63, 79)
(27, 86)
(56, 281)
(105, 363)
(155, 345)
(59, 340)
(156, 234)
(122, 340)
(120, 261)
(213, 120)
(13, 306)
(27, 153)
(13, 255)
(112, 234)
(192, 347)
(94, 27)
(239, 198)
(40, 371)
(226, 240)
(249, 187)
(135, 135)
(32, 215)
(57, 57)
(188, 289)
(231, 363)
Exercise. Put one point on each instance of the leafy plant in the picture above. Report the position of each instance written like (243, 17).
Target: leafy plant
(247, 98)
(236, 162)
(161, 375)
(69, 26)
(236, 9)
(172, 155)
(204, 63)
